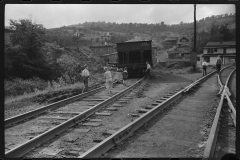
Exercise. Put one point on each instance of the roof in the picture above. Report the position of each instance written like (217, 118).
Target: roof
(227, 43)
(100, 46)
(178, 42)
(135, 41)
(171, 39)
(108, 54)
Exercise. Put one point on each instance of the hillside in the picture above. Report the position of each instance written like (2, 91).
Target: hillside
(92, 31)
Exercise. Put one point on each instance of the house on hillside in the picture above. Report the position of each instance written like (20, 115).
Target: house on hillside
(226, 50)
(170, 42)
(182, 50)
(101, 50)
(184, 41)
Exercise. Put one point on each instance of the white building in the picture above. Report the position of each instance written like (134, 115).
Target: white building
(226, 50)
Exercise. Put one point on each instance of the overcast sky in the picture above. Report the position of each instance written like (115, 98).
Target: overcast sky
(57, 15)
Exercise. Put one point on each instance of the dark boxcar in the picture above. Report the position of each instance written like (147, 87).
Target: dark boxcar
(111, 58)
(134, 56)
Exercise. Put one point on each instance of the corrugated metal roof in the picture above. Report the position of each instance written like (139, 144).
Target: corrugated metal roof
(227, 43)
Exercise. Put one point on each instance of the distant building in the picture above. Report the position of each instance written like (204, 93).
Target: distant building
(170, 42)
(184, 41)
(226, 50)
(182, 50)
(101, 50)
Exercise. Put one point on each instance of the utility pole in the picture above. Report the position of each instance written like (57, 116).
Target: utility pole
(193, 57)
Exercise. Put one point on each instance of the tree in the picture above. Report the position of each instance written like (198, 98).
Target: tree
(25, 57)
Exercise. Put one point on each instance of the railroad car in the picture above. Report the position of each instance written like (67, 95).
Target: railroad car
(134, 55)
(111, 58)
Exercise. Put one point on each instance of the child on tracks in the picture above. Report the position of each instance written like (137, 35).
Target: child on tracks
(109, 81)
(125, 75)
(204, 67)
(147, 72)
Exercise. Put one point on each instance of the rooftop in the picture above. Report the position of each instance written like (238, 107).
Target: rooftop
(227, 43)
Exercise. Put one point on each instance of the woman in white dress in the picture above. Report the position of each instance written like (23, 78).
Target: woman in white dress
(109, 81)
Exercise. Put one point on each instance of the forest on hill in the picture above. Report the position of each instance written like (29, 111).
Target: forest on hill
(35, 55)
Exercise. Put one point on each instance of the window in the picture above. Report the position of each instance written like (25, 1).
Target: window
(215, 49)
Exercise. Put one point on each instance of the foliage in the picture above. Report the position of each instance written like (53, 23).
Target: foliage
(24, 55)
(19, 86)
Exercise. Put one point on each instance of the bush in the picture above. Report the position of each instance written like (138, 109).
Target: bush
(19, 86)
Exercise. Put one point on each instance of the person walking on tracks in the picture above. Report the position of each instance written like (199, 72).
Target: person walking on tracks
(125, 75)
(218, 64)
(85, 76)
(204, 67)
(147, 72)
(109, 81)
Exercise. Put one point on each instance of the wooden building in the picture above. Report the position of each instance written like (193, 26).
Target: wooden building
(226, 50)
(170, 42)
(101, 50)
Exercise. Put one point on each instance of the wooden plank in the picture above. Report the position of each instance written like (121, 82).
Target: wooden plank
(60, 112)
(111, 109)
(94, 99)
(109, 132)
(117, 105)
(82, 130)
(94, 120)
(55, 117)
(91, 124)
(159, 101)
(103, 113)
(149, 107)
(155, 104)
(142, 110)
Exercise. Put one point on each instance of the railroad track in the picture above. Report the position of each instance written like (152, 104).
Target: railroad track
(224, 82)
(101, 150)
(112, 137)
(44, 123)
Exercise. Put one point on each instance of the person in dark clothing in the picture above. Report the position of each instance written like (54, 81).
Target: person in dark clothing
(147, 72)
(218, 64)
(125, 75)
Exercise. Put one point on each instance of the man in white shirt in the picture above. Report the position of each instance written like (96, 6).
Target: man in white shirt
(147, 72)
(85, 76)
(204, 67)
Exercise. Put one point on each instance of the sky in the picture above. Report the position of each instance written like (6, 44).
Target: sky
(58, 15)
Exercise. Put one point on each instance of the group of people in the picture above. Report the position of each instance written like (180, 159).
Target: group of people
(108, 77)
(218, 65)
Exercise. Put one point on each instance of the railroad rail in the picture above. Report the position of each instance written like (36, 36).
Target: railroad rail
(224, 91)
(38, 140)
(52, 106)
(128, 130)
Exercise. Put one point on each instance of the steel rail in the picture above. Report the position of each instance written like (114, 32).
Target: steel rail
(43, 109)
(122, 134)
(227, 94)
(220, 81)
(212, 138)
(38, 140)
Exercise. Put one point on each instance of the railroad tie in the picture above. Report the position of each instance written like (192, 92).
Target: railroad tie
(94, 120)
(142, 110)
(91, 124)
(149, 107)
(111, 109)
(134, 115)
(103, 113)
(159, 101)
(155, 104)
(117, 105)
(94, 99)
(109, 132)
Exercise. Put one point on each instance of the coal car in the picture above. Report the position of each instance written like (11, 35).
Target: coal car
(134, 55)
